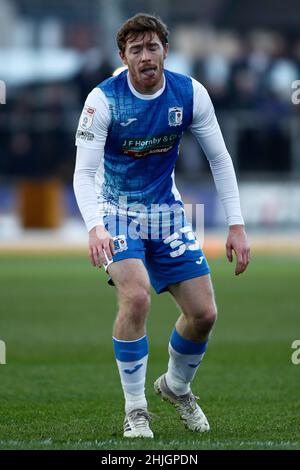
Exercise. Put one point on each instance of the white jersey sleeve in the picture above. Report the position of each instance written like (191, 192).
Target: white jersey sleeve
(94, 121)
(90, 140)
(207, 131)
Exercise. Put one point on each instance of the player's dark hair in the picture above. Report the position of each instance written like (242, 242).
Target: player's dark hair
(141, 23)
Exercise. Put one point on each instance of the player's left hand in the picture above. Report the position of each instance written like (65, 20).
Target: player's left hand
(238, 242)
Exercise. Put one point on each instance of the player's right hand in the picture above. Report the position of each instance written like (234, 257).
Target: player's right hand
(100, 242)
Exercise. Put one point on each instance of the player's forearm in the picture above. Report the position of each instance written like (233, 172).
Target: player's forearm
(212, 142)
(227, 188)
(84, 187)
(86, 198)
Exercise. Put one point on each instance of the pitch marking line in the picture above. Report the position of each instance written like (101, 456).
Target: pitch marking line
(106, 443)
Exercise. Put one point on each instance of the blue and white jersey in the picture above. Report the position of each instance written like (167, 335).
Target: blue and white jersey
(142, 142)
(128, 144)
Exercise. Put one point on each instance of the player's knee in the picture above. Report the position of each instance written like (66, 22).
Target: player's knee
(205, 319)
(210, 317)
(137, 305)
(140, 301)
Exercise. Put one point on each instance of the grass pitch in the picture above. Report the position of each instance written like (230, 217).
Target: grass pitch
(60, 387)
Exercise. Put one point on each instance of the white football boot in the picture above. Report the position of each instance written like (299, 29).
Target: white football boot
(186, 405)
(136, 424)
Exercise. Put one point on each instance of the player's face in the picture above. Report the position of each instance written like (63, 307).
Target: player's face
(144, 57)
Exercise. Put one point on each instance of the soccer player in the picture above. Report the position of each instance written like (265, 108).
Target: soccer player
(127, 145)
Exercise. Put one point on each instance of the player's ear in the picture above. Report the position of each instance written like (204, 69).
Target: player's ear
(123, 57)
(166, 50)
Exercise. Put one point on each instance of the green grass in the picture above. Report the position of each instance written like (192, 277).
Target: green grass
(60, 387)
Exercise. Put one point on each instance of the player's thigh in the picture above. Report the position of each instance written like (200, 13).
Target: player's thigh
(195, 297)
(130, 278)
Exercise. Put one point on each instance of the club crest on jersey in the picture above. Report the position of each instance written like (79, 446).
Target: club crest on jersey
(175, 116)
(120, 243)
(87, 117)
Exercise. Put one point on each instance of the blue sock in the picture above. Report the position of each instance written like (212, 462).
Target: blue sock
(131, 357)
(185, 356)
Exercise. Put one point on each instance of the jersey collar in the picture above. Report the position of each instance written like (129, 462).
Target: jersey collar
(141, 95)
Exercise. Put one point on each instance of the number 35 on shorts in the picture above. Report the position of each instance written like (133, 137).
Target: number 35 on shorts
(178, 245)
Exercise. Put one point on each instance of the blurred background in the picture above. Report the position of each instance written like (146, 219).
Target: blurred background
(53, 52)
